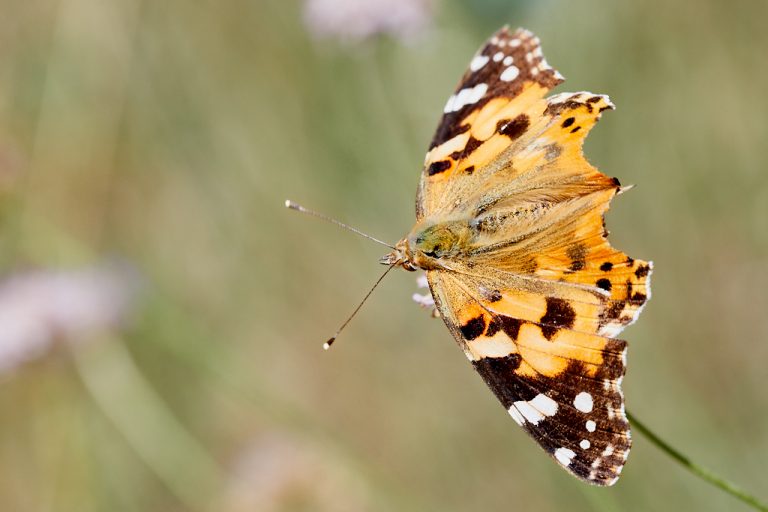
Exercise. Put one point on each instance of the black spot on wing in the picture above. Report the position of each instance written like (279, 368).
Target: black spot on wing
(568, 122)
(473, 328)
(493, 327)
(642, 271)
(438, 167)
(515, 128)
(606, 267)
(612, 312)
(605, 284)
(578, 254)
(554, 109)
(559, 315)
(510, 326)
(472, 144)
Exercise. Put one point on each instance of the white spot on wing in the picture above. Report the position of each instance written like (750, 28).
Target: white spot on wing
(498, 345)
(461, 98)
(510, 74)
(536, 409)
(478, 62)
(585, 444)
(583, 402)
(477, 93)
(507, 60)
(464, 97)
(611, 330)
(591, 425)
(544, 404)
(498, 56)
(529, 412)
(564, 456)
(449, 104)
(519, 419)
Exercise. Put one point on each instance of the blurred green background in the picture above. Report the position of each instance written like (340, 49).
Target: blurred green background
(166, 136)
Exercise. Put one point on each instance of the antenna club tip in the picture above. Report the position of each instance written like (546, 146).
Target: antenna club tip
(288, 203)
(326, 345)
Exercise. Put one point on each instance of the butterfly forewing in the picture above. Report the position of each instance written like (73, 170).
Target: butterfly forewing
(505, 78)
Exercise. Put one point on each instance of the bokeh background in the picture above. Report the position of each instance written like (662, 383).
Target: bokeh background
(162, 313)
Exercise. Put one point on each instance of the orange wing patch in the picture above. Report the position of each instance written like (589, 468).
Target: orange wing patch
(549, 327)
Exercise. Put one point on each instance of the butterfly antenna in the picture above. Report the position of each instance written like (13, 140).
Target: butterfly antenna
(330, 341)
(293, 206)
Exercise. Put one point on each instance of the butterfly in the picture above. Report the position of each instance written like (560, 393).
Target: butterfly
(510, 231)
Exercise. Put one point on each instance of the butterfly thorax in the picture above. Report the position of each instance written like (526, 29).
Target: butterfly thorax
(430, 243)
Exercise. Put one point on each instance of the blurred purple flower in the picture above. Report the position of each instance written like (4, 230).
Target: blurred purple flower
(356, 20)
(39, 307)
(426, 300)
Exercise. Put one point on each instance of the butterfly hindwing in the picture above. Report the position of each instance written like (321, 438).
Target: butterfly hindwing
(560, 384)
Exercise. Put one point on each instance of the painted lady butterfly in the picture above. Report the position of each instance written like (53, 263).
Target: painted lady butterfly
(510, 232)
